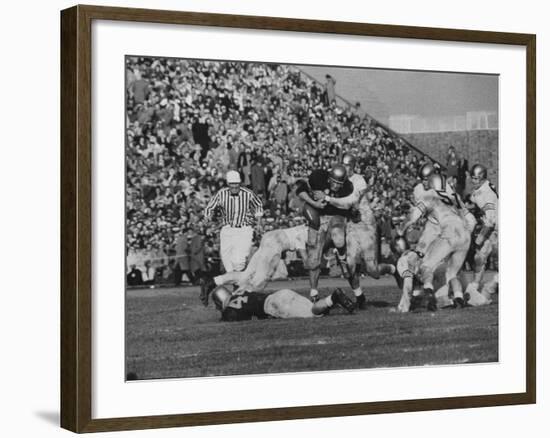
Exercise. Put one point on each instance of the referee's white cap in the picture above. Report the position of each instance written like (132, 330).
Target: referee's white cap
(233, 177)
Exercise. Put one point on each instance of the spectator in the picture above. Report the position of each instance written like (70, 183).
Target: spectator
(462, 175)
(189, 121)
(330, 90)
(257, 177)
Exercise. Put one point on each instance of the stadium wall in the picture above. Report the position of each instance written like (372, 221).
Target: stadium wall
(479, 146)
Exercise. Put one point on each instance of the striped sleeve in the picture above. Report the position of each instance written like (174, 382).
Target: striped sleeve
(212, 204)
(256, 204)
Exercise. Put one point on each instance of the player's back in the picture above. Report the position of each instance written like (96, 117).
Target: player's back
(438, 205)
(245, 306)
(418, 194)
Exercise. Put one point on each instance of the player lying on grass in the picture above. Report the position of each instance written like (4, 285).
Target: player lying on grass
(408, 280)
(263, 263)
(283, 304)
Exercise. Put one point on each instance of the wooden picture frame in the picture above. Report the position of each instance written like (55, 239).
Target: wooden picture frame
(76, 217)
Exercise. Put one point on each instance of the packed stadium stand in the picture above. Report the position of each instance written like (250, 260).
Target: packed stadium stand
(190, 121)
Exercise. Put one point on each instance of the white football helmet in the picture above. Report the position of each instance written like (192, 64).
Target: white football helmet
(221, 297)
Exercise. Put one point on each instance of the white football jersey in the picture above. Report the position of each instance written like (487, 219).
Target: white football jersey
(486, 198)
(418, 192)
(297, 236)
(359, 183)
(438, 205)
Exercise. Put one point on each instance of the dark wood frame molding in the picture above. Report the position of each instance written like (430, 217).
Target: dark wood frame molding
(76, 218)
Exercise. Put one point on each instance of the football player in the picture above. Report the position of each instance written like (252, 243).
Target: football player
(326, 222)
(284, 304)
(453, 240)
(361, 235)
(263, 264)
(485, 197)
(408, 280)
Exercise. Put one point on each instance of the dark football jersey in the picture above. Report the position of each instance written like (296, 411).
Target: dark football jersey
(245, 306)
(319, 180)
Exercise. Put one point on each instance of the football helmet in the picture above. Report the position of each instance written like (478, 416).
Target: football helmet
(479, 170)
(478, 175)
(349, 160)
(221, 297)
(426, 170)
(437, 182)
(338, 174)
(400, 245)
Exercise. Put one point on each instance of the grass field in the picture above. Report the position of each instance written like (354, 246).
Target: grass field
(170, 334)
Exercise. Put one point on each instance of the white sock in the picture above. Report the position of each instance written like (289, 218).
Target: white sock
(328, 301)
(358, 292)
(313, 292)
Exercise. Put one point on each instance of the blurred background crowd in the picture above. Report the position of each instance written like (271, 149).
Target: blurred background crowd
(188, 122)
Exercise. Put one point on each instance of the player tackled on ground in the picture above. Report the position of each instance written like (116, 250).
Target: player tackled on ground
(408, 280)
(284, 303)
(263, 264)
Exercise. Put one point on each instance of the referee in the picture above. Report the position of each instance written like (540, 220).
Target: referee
(239, 207)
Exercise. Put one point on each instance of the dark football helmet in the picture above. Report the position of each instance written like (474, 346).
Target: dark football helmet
(338, 174)
(221, 297)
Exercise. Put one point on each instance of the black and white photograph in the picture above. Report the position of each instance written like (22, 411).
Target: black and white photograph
(286, 218)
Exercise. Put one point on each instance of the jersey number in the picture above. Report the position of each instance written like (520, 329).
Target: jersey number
(237, 302)
(445, 198)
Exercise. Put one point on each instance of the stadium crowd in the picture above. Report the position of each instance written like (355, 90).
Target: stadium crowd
(188, 122)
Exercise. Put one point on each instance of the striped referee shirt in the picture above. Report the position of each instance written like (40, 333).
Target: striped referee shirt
(237, 210)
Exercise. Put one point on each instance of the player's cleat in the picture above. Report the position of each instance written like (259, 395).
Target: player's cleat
(459, 302)
(361, 302)
(207, 285)
(339, 297)
(416, 303)
(431, 301)
(314, 298)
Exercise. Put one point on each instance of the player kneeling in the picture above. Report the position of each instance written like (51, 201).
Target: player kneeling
(282, 304)
(408, 279)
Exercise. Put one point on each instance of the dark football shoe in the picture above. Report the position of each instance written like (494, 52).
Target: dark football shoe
(431, 301)
(340, 298)
(459, 303)
(361, 302)
(207, 285)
